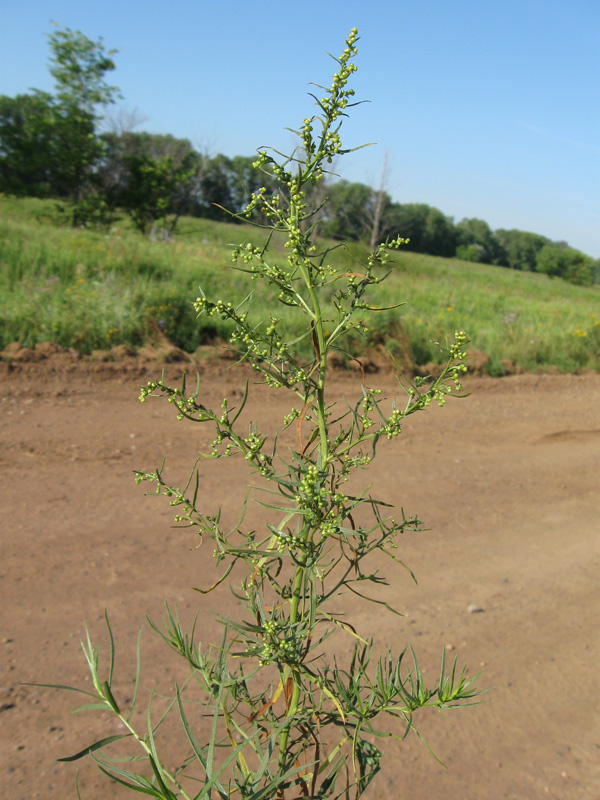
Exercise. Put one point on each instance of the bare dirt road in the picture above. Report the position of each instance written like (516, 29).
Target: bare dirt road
(507, 480)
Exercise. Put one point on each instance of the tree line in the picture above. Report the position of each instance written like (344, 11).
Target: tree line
(54, 145)
(350, 215)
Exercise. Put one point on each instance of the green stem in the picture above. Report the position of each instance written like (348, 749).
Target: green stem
(293, 706)
(322, 423)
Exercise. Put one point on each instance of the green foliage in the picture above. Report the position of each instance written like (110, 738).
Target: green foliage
(519, 249)
(78, 66)
(152, 176)
(566, 263)
(426, 228)
(26, 144)
(476, 237)
(49, 144)
(153, 186)
(128, 281)
(346, 214)
(471, 252)
(284, 720)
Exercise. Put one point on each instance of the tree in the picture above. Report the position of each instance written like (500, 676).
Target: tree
(558, 260)
(519, 249)
(155, 188)
(216, 188)
(171, 166)
(78, 66)
(428, 230)
(476, 242)
(381, 201)
(49, 143)
(346, 213)
(26, 162)
(439, 234)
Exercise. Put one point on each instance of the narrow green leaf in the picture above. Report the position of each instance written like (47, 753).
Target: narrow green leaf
(92, 707)
(110, 698)
(137, 675)
(62, 687)
(135, 787)
(188, 731)
(112, 650)
(96, 746)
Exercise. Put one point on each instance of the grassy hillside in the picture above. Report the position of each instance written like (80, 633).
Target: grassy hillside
(94, 289)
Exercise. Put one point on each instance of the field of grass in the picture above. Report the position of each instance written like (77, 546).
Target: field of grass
(94, 289)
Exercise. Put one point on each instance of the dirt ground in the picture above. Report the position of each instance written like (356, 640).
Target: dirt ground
(506, 480)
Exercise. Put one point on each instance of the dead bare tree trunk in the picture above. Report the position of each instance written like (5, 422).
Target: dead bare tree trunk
(380, 195)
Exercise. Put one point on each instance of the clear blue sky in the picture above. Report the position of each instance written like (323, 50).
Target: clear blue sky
(487, 108)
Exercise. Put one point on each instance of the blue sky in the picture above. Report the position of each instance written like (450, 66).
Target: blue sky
(487, 109)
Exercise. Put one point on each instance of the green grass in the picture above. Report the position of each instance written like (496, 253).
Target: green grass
(94, 289)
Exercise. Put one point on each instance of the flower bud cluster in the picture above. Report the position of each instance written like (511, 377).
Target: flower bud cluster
(440, 390)
(278, 644)
(338, 95)
(286, 540)
(393, 426)
(245, 253)
(353, 462)
(204, 306)
(381, 256)
(140, 477)
(309, 489)
(291, 417)
(186, 406)
(188, 512)
(257, 200)
(268, 346)
(253, 444)
(147, 390)
(368, 404)
(460, 338)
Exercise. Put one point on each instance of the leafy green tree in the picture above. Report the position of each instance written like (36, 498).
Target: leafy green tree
(128, 161)
(155, 191)
(347, 210)
(26, 148)
(216, 188)
(439, 237)
(426, 228)
(565, 262)
(471, 252)
(519, 249)
(49, 143)
(78, 66)
(476, 242)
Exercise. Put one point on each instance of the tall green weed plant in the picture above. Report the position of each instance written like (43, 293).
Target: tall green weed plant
(284, 720)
